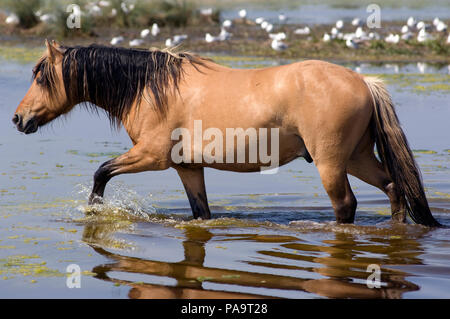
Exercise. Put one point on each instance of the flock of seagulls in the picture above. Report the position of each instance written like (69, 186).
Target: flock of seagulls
(420, 30)
(412, 29)
(354, 39)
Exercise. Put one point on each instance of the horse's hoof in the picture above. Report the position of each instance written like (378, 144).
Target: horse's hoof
(94, 199)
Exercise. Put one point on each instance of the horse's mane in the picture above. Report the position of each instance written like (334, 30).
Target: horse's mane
(114, 78)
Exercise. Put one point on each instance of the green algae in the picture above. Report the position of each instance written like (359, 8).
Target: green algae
(26, 265)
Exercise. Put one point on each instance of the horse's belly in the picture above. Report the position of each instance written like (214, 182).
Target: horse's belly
(259, 154)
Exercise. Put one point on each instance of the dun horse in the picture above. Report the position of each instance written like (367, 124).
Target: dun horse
(324, 112)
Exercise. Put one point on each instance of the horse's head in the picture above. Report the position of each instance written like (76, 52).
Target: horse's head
(46, 98)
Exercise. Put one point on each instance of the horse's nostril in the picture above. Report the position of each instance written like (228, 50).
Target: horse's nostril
(16, 118)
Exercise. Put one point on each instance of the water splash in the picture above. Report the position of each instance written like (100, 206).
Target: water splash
(124, 203)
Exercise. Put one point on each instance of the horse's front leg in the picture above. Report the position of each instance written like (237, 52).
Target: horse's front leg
(137, 159)
(194, 183)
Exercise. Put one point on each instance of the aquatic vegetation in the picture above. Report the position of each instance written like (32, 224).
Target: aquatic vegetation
(23, 265)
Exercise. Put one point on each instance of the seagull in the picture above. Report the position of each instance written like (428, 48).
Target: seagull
(302, 31)
(351, 44)
(224, 35)
(360, 33)
(278, 36)
(405, 29)
(357, 22)
(282, 17)
(155, 29)
(227, 24)
(116, 40)
(326, 37)
(259, 20)
(47, 18)
(12, 19)
(424, 36)
(145, 33)
(95, 11)
(391, 38)
(269, 27)
(441, 27)
(243, 13)
(278, 45)
(339, 24)
(169, 43)
(264, 24)
(210, 39)
(411, 22)
(136, 42)
(334, 32)
(104, 3)
(176, 40)
(420, 25)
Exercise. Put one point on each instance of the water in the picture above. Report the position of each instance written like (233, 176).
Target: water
(271, 235)
(329, 11)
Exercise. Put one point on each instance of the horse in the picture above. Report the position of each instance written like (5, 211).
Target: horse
(325, 113)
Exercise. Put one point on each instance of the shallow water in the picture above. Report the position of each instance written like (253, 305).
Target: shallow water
(270, 236)
(329, 11)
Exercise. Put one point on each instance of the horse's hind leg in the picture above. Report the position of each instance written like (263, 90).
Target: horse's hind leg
(367, 168)
(194, 183)
(335, 182)
(364, 165)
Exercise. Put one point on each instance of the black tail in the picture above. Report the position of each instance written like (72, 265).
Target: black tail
(396, 155)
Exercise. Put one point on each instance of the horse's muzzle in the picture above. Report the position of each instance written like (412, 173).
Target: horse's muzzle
(26, 126)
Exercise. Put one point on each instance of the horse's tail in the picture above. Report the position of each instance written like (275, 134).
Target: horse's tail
(396, 156)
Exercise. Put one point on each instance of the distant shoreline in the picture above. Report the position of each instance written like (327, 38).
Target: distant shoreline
(251, 40)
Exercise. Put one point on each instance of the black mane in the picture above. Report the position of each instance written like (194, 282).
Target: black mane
(115, 78)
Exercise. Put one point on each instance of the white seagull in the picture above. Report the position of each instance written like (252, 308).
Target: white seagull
(227, 24)
(411, 22)
(12, 19)
(303, 31)
(259, 20)
(155, 29)
(392, 38)
(117, 40)
(136, 42)
(145, 33)
(243, 13)
(424, 36)
(278, 45)
(350, 43)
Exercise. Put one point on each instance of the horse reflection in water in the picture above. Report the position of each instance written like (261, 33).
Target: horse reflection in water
(342, 261)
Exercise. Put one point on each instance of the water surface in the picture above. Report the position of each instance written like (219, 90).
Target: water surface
(270, 236)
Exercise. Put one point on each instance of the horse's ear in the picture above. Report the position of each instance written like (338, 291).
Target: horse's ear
(54, 50)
